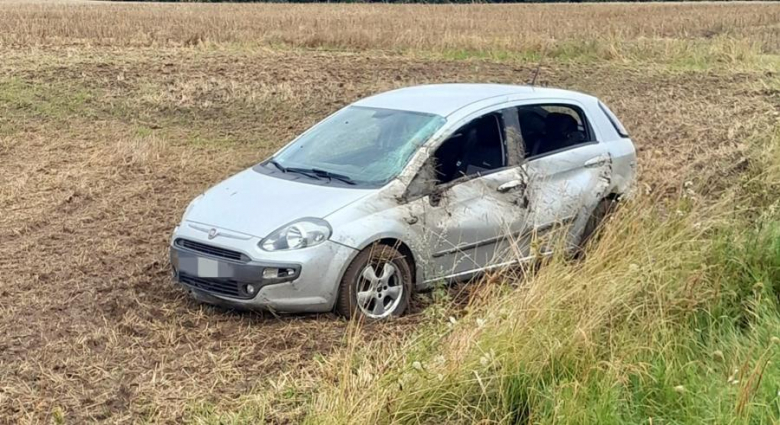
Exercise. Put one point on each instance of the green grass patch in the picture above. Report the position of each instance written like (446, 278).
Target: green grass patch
(52, 101)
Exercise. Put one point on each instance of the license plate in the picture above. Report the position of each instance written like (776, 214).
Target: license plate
(208, 267)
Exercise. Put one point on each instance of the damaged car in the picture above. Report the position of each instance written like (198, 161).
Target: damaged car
(401, 190)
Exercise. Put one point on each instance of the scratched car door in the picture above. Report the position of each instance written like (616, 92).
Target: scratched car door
(470, 218)
(565, 179)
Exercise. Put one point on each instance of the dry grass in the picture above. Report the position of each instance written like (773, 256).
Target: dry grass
(727, 30)
(103, 140)
(625, 336)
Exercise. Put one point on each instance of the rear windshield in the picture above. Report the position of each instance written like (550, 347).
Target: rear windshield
(615, 122)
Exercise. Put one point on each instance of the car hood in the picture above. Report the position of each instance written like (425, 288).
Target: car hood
(257, 204)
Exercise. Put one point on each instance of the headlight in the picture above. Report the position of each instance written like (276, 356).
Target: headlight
(192, 204)
(298, 234)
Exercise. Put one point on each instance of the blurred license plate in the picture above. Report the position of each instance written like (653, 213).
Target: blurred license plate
(208, 268)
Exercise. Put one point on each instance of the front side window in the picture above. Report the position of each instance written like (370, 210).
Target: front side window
(473, 149)
(365, 145)
(548, 128)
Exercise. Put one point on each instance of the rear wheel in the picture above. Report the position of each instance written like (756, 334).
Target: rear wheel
(604, 208)
(377, 285)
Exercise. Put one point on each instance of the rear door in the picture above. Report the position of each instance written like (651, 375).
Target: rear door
(568, 168)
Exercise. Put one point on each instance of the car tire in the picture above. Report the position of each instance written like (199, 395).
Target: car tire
(376, 285)
(603, 209)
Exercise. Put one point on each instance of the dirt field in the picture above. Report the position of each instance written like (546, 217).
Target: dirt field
(102, 145)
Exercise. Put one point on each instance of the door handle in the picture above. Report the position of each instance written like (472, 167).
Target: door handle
(596, 161)
(513, 184)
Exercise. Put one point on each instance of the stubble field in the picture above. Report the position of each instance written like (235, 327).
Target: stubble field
(113, 116)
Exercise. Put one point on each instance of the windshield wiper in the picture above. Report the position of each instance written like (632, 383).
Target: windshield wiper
(277, 165)
(328, 174)
(305, 171)
(314, 173)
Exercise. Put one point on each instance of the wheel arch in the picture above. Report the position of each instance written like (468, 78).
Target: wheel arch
(404, 249)
(394, 241)
(613, 196)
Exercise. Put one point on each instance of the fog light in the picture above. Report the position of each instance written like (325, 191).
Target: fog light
(250, 289)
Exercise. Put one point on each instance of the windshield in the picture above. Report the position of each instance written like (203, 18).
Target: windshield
(365, 145)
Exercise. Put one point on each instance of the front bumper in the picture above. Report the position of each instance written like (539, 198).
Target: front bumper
(308, 281)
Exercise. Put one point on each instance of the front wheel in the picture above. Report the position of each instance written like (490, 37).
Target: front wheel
(376, 285)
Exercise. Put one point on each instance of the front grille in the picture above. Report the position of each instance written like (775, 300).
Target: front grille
(226, 287)
(211, 250)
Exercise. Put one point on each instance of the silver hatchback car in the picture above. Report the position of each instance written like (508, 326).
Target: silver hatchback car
(401, 190)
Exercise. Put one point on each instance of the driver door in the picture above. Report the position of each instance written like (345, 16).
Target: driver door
(477, 208)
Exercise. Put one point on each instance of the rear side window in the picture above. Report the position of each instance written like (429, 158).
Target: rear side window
(615, 122)
(548, 128)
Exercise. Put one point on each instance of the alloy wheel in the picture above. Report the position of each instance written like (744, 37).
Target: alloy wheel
(379, 289)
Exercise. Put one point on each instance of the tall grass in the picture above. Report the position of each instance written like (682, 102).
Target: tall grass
(672, 318)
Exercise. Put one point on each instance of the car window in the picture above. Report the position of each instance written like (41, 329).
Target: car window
(475, 148)
(547, 128)
(370, 146)
(621, 131)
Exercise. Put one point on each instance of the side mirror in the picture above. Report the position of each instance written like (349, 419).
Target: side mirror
(424, 183)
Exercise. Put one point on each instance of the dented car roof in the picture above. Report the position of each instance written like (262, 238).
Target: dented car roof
(446, 99)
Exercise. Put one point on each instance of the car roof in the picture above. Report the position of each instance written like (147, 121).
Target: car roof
(445, 99)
